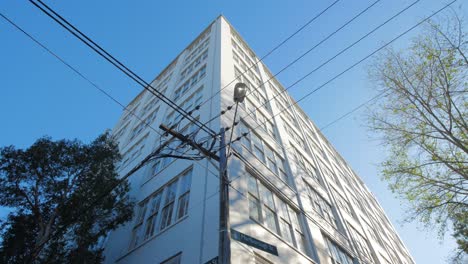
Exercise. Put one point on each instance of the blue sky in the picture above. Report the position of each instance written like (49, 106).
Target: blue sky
(40, 96)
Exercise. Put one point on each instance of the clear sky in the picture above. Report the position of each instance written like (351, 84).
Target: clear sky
(40, 96)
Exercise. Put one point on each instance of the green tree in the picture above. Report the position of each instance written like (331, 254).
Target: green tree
(56, 190)
(422, 121)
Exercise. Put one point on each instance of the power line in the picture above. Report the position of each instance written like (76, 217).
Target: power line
(274, 49)
(300, 57)
(75, 70)
(155, 154)
(334, 56)
(284, 197)
(151, 156)
(97, 87)
(353, 110)
(119, 65)
(344, 71)
(327, 61)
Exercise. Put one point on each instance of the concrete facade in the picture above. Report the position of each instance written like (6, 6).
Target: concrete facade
(289, 187)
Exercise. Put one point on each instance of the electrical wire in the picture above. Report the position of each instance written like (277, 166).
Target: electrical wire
(119, 65)
(333, 57)
(274, 49)
(155, 154)
(353, 110)
(345, 71)
(283, 197)
(301, 56)
(76, 71)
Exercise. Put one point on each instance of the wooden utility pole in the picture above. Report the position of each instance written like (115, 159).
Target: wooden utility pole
(224, 249)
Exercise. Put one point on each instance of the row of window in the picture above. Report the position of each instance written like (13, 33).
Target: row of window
(256, 92)
(361, 243)
(161, 83)
(197, 49)
(247, 70)
(201, 39)
(194, 100)
(263, 121)
(337, 254)
(131, 109)
(268, 209)
(278, 94)
(241, 44)
(304, 164)
(250, 61)
(283, 105)
(264, 153)
(295, 136)
(148, 121)
(343, 203)
(133, 153)
(322, 207)
(192, 66)
(148, 106)
(191, 82)
(157, 212)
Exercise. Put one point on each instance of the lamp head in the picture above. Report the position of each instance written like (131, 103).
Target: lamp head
(240, 90)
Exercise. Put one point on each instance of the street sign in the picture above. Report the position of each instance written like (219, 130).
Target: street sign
(253, 242)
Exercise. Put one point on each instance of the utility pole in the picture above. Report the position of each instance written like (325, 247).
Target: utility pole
(224, 249)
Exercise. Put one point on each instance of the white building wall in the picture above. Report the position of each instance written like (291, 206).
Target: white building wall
(195, 236)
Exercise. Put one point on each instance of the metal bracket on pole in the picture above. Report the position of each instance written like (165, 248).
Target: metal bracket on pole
(224, 252)
(189, 141)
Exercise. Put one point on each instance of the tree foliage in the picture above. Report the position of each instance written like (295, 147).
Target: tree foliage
(422, 120)
(55, 189)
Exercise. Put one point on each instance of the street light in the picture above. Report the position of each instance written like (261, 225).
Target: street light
(240, 89)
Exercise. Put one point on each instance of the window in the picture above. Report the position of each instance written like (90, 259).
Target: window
(263, 121)
(322, 207)
(184, 190)
(361, 242)
(287, 115)
(274, 214)
(159, 164)
(190, 83)
(257, 92)
(295, 135)
(305, 165)
(337, 254)
(133, 153)
(343, 203)
(190, 104)
(137, 229)
(156, 212)
(118, 135)
(264, 153)
(150, 119)
(136, 130)
(173, 260)
(166, 217)
(151, 226)
(329, 174)
(249, 59)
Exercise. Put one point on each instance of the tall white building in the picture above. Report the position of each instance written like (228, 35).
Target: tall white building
(293, 199)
